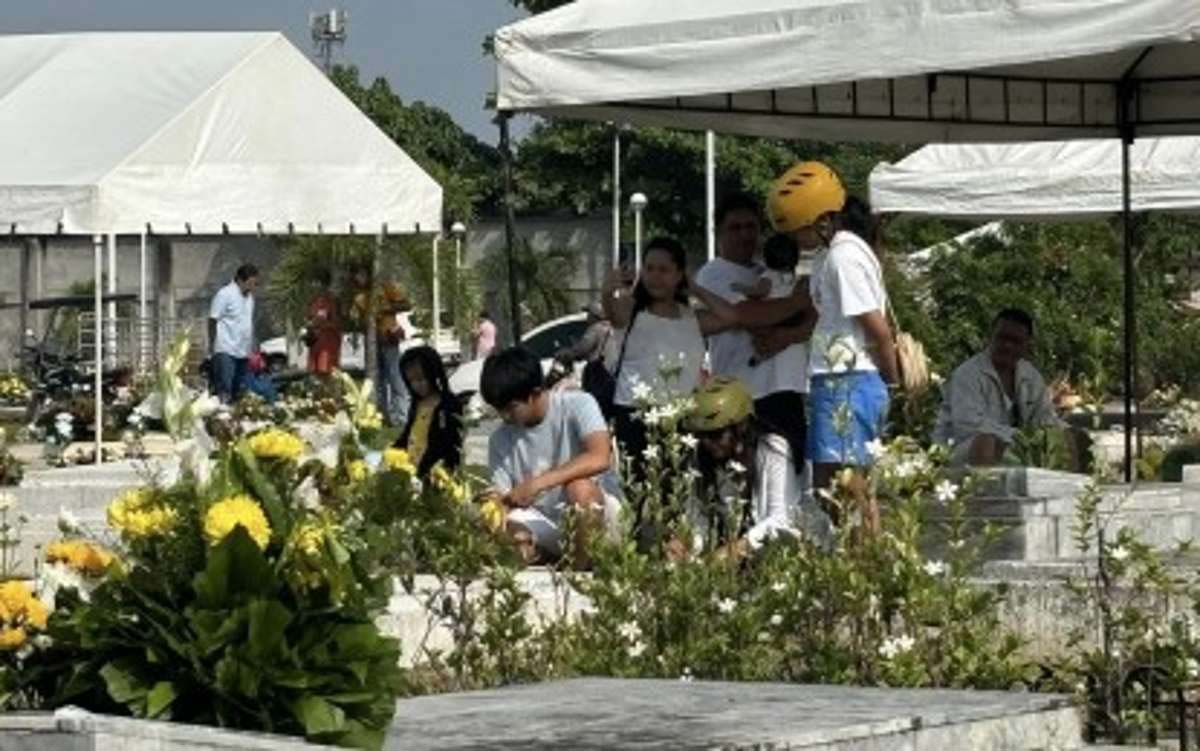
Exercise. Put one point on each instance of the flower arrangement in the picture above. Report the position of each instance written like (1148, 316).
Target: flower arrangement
(14, 391)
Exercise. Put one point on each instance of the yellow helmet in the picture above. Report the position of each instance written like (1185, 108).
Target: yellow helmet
(800, 196)
(718, 404)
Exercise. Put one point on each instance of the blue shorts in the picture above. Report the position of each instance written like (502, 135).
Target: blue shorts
(848, 411)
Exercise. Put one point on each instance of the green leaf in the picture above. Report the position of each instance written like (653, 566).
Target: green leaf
(236, 676)
(160, 698)
(236, 570)
(268, 621)
(124, 686)
(262, 487)
(318, 716)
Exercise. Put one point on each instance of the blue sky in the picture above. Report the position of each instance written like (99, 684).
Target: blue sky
(428, 49)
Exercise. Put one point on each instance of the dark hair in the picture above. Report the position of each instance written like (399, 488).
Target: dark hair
(1017, 316)
(485, 315)
(728, 527)
(732, 202)
(430, 363)
(511, 375)
(323, 276)
(245, 272)
(672, 247)
(781, 253)
(856, 217)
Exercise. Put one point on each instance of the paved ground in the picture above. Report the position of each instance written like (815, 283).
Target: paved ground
(599, 713)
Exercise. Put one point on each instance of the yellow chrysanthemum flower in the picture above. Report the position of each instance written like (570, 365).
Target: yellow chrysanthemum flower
(80, 555)
(237, 511)
(308, 539)
(276, 444)
(443, 481)
(398, 460)
(19, 606)
(357, 470)
(493, 513)
(12, 638)
(136, 513)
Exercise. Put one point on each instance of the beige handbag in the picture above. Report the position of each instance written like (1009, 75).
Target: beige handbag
(910, 358)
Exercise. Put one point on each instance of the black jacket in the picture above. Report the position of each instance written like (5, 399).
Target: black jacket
(445, 440)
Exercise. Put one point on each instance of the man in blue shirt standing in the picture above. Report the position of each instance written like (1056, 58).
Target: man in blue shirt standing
(231, 333)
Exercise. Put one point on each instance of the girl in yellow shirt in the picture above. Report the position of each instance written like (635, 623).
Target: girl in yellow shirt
(433, 433)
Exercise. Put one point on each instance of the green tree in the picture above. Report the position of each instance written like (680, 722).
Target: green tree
(465, 167)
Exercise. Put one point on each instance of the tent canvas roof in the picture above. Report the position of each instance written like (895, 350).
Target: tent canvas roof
(1039, 180)
(885, 70)
(192, 132)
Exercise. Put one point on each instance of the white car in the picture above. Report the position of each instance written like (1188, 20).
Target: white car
(544, 341)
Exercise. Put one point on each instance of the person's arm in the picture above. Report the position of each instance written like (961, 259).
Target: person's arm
(749, 314)
(214, 314)
(771, 341)
(595, 459)
(778, 491)
(1043, 412)
(583, 347)
(618, 309)
(882, 345)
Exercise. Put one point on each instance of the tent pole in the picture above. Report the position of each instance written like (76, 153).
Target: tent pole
(112, 305)
(510, 227)
(1130, 332)
(98, 341)
(437, 297)
(371, 345)
(710, 192)
(616, 196)
(143, 338)
(27, 247)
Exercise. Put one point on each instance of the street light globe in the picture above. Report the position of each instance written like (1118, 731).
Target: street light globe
(458, 228)
(638, 201)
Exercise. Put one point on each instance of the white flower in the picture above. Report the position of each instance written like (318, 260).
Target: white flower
(135, 419)
(778, 587)
(777, 620)
(875, 448)
(635, 649)
(67, 521)
(630, 630)
(687, 676)
(42, 641)
(64, 417)
(308, 495)
(689, 440)
(935, 568)
(1193, 668)
(7, 501)
(650, 453)
(936, 378)
(892, 648)
(726, 605)
(641, 391)
(737, 467)
(64, 429)
(945, 491)
(56, 576)
(1119, 553)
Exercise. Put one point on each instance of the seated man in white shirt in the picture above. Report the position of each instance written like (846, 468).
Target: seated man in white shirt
(994, 395)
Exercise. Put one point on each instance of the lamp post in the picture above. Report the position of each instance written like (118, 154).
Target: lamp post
(459, 230)
(638, 203)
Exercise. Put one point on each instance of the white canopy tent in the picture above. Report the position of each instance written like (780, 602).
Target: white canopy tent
(191, 133)
(908, 71)
(1040, 180)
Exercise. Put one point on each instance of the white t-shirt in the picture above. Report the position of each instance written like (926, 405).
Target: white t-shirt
(787, 370)
(730, 352)
(847, 281)
(234, 314)
(666, 354)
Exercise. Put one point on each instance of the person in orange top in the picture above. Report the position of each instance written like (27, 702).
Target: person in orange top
(391, 396)
(324, 335)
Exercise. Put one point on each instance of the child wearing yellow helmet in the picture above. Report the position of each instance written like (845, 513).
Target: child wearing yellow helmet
(852, 353)
(740, 458)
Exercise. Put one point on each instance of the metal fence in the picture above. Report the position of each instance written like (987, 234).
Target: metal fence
(140, 343)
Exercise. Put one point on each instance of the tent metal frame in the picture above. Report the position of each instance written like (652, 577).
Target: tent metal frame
(1117, 112)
